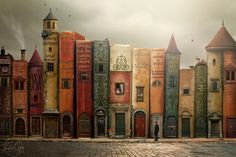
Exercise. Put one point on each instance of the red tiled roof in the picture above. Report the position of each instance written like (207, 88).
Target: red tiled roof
(222, 39)
(172, 48)
(36, 58)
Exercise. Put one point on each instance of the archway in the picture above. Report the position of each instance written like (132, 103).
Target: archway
(20, 126)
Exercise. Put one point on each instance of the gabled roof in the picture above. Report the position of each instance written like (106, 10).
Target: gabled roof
(50, 16)
(36, 59)
(172, 48)
(222, 40)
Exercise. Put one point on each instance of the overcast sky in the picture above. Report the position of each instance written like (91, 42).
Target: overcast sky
(141, 23)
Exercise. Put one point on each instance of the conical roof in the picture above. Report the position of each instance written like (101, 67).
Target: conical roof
(36, 59)
(172, 48)
(222, 40)
(50, 16)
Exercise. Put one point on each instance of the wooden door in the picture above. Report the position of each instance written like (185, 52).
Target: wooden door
(200, 128)
(120, 124)
(51, 127)
(66, 125)
(231, 127)
(185, 127)
(215, 132)
(171, 127)
(140, 124)
(100, 125)
(20, 127)
(84, 125)
(35, 126)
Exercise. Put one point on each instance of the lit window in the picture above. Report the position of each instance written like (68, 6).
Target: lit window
(50, 67)
(119, 88)
(65, 83)
(140, 94)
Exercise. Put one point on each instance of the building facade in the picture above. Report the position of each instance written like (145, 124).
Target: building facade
(120, 90)
(186, 102)
(5, 94)
(35, 95)
(172, 66)
(19, 96)
(51, 69)
(140, 92)
(101, 57)
(157, 74)
(200, 102)
(84, 94)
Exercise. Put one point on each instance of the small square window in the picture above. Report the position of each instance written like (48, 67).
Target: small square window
(65, 83)
(119, 88)
(84, 76)
(50, 67)
(100, 68)
(140, 94)
(186, 91)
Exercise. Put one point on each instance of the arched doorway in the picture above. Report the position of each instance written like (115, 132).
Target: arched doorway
(171, 127)
(66, 125)
(139, 124)
(84, 125)
(100, 123)
(20, 126)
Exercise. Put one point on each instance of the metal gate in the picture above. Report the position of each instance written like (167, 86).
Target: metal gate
(120, 124)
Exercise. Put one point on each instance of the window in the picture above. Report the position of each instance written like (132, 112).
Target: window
(48, 25)
(84, 76)
(214, 62)
(5, 69)
(50, 67)
(156, 83)
(100, 68)
(186, 91)
(172, 81)
(36, 98)
(4, 82)
(65, 83)
(140, 94)
(50, 49)
(19, 85)
(230, 75)
(53, 25)
(119, 88)
(214, 86)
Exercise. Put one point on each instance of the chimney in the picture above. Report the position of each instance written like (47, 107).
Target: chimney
(22, 54)
(2, 51)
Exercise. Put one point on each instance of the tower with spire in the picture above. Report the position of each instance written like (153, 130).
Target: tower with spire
(221, 62)
(36, 94)
(50, 37)
(172, 70)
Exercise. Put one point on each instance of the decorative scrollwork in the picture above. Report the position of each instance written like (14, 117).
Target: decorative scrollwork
(121, 63)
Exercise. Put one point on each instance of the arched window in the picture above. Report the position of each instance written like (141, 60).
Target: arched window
(214, 62)
(53, 25)
(36, 98)
(48, 25)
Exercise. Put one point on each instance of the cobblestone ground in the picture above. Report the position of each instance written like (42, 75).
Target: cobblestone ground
(115, 149)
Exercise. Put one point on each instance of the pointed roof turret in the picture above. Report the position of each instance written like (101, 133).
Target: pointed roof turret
(172, 48)
(50, 16)
(36, 59)
(222, 40)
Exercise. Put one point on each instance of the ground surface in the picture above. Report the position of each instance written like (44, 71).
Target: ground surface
(41, 148)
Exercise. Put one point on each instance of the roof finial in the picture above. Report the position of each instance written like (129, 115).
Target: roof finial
(223, 22)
